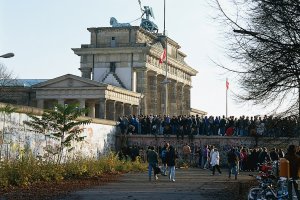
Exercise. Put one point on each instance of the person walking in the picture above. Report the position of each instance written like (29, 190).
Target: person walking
(211, 151)
(205, 157)
(186, 149)
(164, 151)
(152, 158)
(215, 161)
(171, 162)
(199, 153)
(232, 159)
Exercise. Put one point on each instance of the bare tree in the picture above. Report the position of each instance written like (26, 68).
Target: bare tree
(7, 84)
(265, 42)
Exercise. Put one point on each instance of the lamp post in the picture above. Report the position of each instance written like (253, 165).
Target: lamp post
(245, 32)
(7, 55)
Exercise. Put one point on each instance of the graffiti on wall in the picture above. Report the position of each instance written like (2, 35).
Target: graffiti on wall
(16, 138)
(223, 144)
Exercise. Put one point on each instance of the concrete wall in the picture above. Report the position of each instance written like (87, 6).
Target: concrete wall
(223, 143)
(15, 137)
(101, 138)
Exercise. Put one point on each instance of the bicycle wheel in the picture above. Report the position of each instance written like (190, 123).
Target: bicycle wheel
(255, 193)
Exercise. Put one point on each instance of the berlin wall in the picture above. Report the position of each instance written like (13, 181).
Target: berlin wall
(223, 143)
(16, 137)
(102, 136)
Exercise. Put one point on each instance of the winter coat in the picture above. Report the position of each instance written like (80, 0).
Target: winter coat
(171, 157)
(215, 158)
(152, 157)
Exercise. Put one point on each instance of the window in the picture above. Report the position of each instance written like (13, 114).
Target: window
(113, 42)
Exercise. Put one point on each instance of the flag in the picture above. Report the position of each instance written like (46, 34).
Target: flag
(227, 84)
(163, 57)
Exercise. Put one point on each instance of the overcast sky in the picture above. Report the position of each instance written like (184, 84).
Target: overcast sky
(42, 33)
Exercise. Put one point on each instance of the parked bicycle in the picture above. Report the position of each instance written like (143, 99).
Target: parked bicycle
(270, 186)
(269, 191)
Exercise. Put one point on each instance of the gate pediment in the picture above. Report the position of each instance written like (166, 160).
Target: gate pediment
(69, 81)
(74, 87)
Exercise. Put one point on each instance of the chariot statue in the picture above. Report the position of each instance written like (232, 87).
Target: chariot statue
(146, 23)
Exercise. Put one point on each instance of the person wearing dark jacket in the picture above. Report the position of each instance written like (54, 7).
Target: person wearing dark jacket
(294, 160)
(163, 155)
(232, 160)
(264, 156)
(152, 158)
(274, 155)
(171, 161)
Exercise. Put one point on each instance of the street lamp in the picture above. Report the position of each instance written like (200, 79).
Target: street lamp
(245, 32)
(8, 55)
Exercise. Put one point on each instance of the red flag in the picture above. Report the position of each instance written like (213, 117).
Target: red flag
(227, 84)
(163, 57)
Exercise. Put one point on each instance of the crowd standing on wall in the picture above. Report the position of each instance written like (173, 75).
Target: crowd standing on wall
(189, 126)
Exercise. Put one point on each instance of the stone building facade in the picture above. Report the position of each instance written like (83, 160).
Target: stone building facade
(121, 74)
(128, 57)
(102, 100)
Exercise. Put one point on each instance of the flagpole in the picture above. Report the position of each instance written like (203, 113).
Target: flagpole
(166, 62)
(164, 17)
(226, 97)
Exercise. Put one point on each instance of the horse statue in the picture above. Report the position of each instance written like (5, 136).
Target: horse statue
(114, 23)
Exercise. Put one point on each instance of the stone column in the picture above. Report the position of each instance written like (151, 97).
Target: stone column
(134, 82)
(81, 103)
(102, 108)
(153, 94)
(122, 109)
(91, 108)
(119, 110)
(160, 96)
(114, 113)
(187, 99)
(166, 96)
(111, 110)
(126, 109)
(180, 98)
(173, 97)
(142, 87)
(40, 103)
